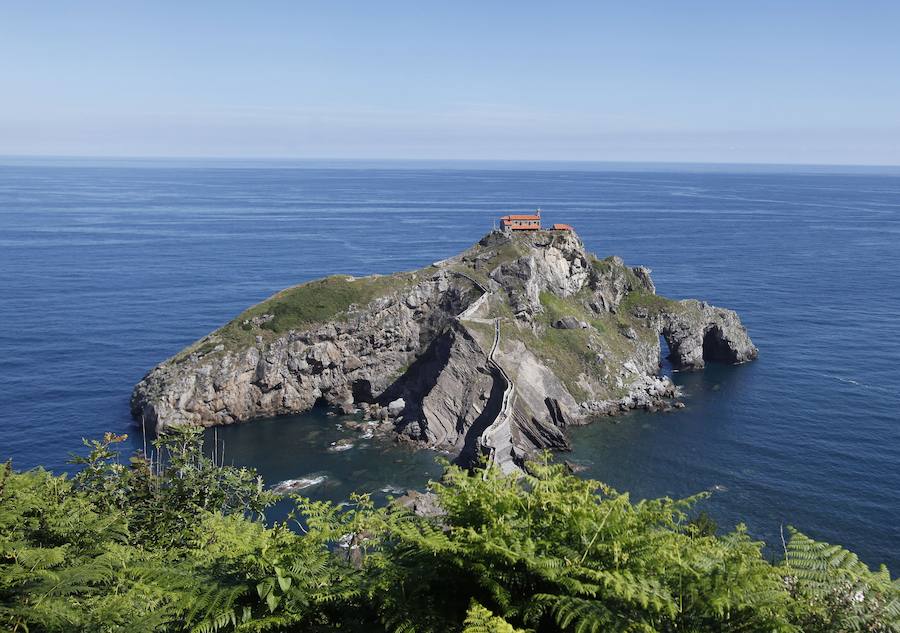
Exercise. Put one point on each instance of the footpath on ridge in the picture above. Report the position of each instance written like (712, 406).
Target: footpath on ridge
(496, 440)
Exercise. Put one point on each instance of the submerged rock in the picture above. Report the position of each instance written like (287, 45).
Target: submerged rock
(574, 467)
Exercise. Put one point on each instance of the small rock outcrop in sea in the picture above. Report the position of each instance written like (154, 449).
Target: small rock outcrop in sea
(496, 349)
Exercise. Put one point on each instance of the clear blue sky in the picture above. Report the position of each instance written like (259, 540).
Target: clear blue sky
(717, 81)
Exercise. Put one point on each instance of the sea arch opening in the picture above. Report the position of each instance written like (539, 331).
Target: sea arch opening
(716, 347)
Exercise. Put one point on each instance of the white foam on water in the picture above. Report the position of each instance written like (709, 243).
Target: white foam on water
(291, 485)
(856, 383)
(337, 448)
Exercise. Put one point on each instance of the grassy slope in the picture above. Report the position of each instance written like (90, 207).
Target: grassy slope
(571, 353)
(328, 299)
(481, 332)
(300, 307)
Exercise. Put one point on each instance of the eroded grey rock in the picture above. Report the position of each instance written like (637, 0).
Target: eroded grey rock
(697, 332)
(396, 406)
(570, 323)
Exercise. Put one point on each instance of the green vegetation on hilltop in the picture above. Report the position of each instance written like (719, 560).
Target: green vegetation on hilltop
(182, 547)
(300, 307)
(322, 300)
(332, 298)
(652, 303)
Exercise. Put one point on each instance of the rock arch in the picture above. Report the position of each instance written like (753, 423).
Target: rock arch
(697, 332)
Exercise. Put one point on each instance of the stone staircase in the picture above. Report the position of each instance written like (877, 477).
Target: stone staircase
(496, 441)
(497, 438)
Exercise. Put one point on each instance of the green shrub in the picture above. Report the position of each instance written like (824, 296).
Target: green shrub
(181, 545)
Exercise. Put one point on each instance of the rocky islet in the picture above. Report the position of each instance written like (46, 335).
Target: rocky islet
(495, 350)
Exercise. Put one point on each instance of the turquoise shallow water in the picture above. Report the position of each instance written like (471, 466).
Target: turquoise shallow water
(106, 270)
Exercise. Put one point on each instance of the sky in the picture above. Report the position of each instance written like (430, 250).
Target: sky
(689, 81)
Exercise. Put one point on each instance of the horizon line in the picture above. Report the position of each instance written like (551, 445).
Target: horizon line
(344, 159)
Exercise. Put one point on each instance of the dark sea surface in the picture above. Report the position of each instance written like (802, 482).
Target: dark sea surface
(106, 270)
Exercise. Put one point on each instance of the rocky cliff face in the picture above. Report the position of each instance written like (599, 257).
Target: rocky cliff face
(359, 351)
(426, 352)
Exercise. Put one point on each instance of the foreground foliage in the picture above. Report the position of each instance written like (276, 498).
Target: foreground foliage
(179, 544)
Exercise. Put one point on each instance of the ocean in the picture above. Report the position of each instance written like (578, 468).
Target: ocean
(107, 268)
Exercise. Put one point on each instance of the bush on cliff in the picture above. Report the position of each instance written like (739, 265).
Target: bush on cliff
(180, 545)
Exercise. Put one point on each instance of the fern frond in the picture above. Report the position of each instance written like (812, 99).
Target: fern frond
(481, 620)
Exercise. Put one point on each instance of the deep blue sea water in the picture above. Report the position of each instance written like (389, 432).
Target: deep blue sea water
(106, 270)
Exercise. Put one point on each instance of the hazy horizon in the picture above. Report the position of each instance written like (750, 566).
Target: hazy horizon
(809, 83)
(430, 163)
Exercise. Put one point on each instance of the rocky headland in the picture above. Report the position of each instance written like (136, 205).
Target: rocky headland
(495, 350)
